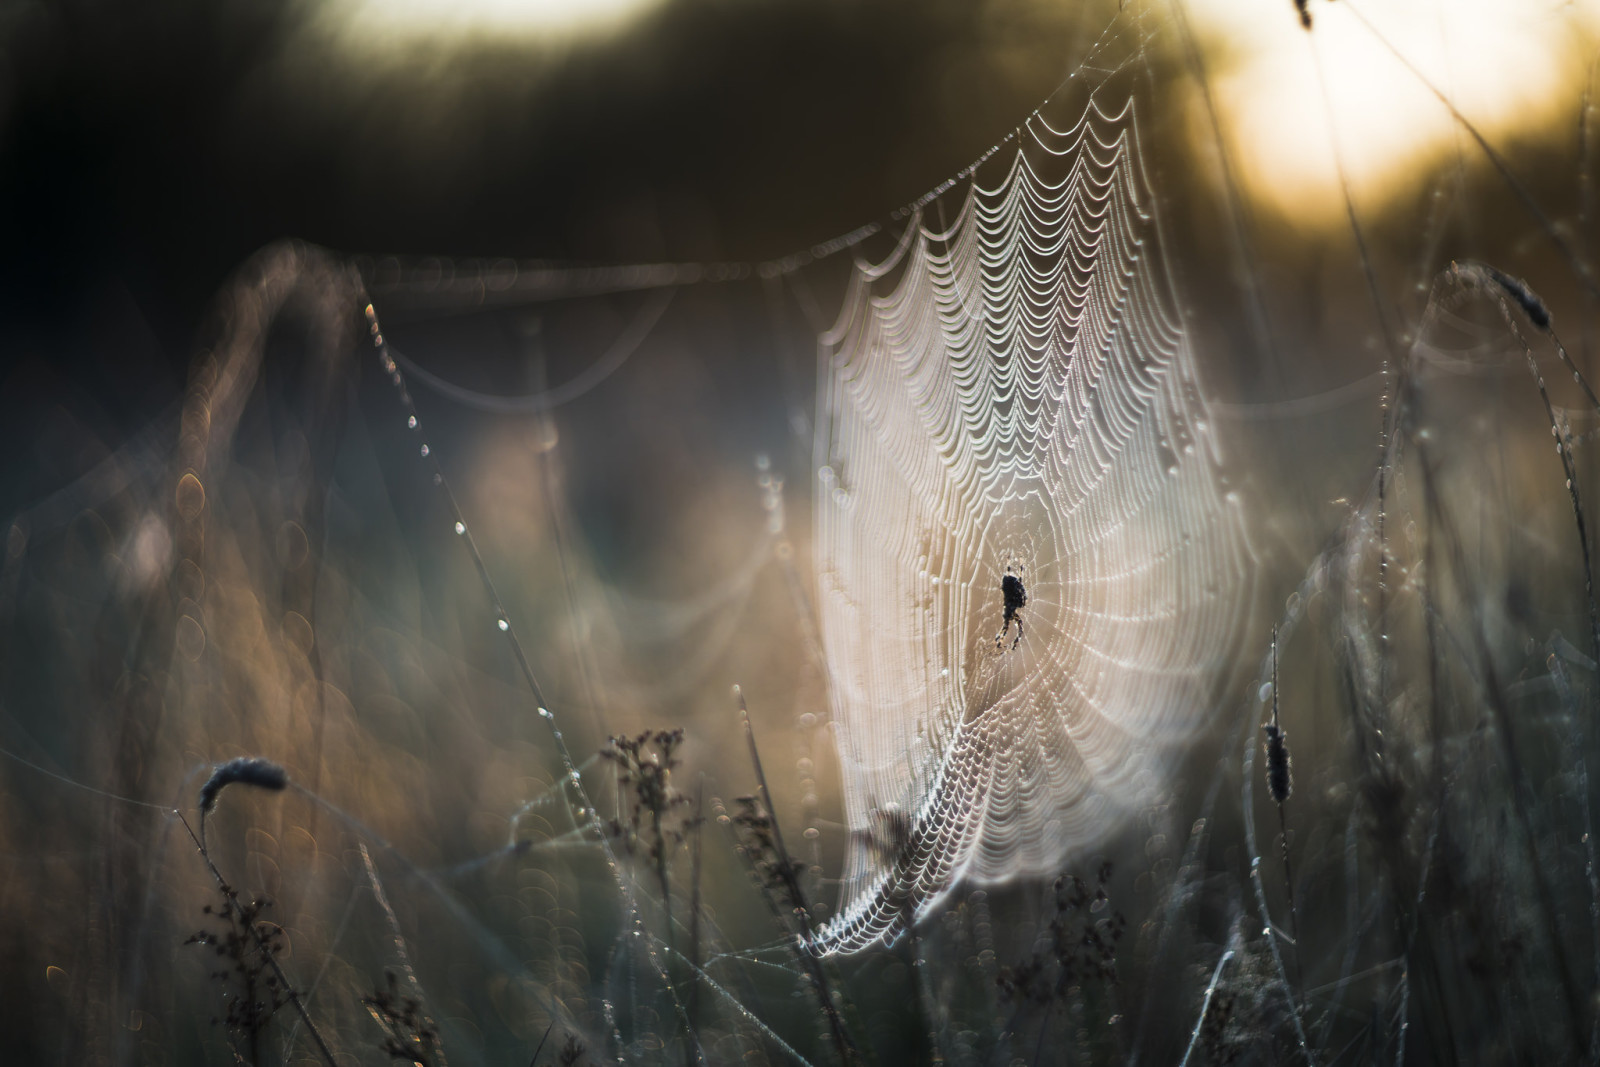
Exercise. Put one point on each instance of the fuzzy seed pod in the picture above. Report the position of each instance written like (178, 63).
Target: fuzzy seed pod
(1279, 781)
(255, 771)
(1526, 298)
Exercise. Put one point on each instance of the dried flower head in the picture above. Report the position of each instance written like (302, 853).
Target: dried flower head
(408, 1034)
(246, 770)
(647, 798)
(572, 1052)
(252, 991)
(1083, 944)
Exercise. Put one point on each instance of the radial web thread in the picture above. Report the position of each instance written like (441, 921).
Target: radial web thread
(1015, 391)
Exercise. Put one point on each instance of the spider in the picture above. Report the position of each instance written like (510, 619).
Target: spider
(1016, 597)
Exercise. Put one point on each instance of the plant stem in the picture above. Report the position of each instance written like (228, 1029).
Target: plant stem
(261, 943)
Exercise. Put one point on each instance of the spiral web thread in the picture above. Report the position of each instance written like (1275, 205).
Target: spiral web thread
(1016, 391)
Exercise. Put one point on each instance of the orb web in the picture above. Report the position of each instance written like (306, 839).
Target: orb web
(1014, 390)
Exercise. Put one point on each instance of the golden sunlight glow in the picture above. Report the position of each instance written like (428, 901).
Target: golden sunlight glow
(391, 20)
(1506, 64)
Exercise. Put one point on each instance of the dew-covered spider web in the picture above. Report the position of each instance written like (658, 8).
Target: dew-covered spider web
(1013, 391)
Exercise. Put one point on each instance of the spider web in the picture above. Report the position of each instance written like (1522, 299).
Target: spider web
(1015, 390)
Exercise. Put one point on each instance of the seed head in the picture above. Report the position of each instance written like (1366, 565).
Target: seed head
(1279, 781)
(248, 770)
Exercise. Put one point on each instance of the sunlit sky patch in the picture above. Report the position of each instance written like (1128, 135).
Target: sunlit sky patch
(416, 20)
(1507, 64)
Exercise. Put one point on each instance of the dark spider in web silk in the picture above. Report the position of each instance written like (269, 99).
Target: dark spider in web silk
(1016, 597)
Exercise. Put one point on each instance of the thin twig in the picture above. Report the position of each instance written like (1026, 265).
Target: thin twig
(1521, 790)
(534, 1062)
(232, 900)
(694, 898)
(1591, 862)
(399, 938)
(1211, 991)
(1283, 824)
(1248, 805)
(787, 873)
